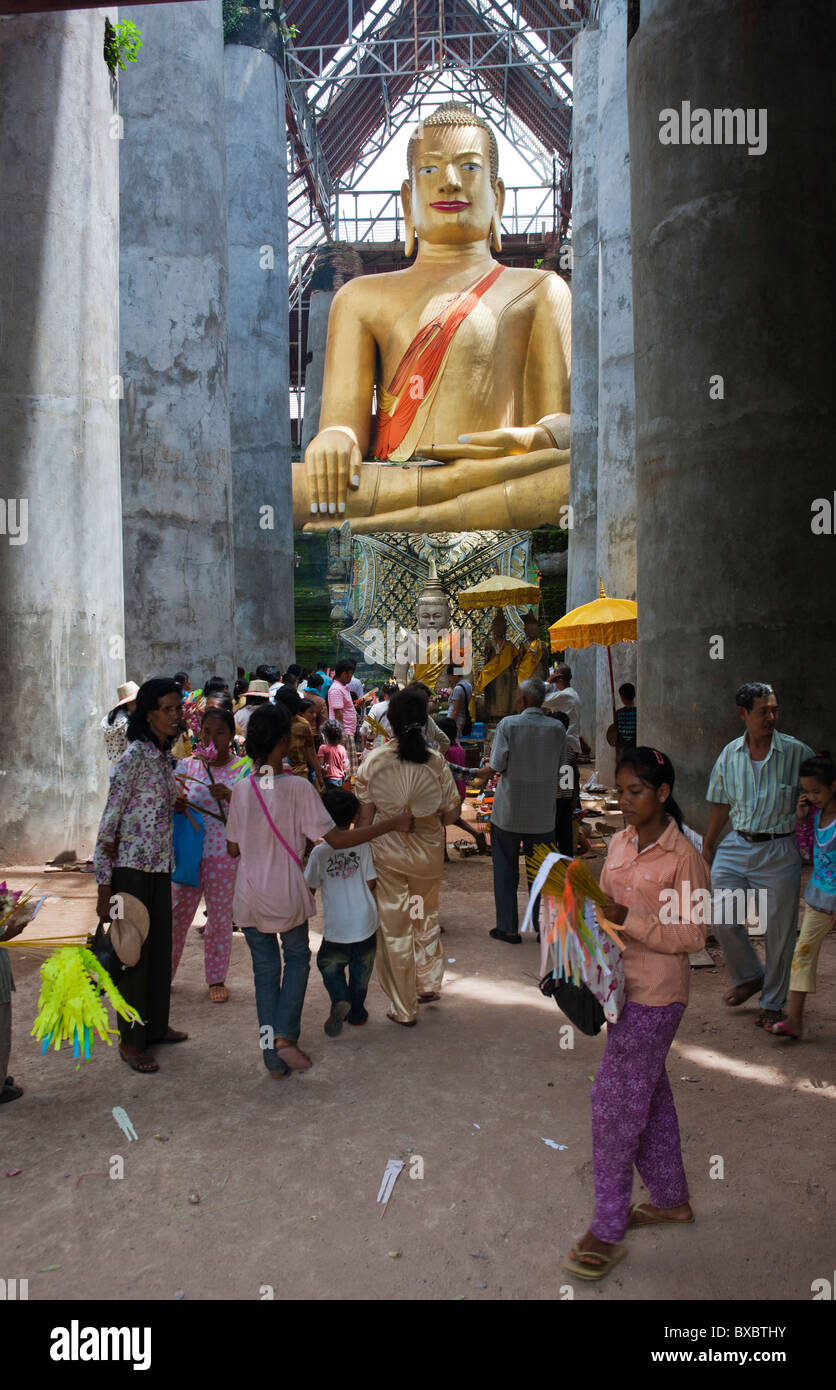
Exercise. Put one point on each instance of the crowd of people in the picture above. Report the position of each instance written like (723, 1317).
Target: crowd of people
(297, 783)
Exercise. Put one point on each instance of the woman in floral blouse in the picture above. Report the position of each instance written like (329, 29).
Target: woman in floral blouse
(133, 856)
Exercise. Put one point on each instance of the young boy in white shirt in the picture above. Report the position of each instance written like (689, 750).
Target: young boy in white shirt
(349, 916)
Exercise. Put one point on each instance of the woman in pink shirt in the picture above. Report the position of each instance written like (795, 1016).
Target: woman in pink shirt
(272, 815)
(633, 1114)
(332, 755)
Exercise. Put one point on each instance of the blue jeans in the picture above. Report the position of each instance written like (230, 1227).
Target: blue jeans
(279, 1004)
(333, 958)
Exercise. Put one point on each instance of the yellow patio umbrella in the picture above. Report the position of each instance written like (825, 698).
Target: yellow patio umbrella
(501, 591)
(602, 623)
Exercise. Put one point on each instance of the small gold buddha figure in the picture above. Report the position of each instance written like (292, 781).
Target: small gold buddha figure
(533, 659)
(469, 361)
(497, 679)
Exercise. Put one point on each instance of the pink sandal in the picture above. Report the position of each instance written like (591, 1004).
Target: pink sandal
(780, 1030)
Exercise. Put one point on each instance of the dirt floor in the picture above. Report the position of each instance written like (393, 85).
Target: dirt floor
(287, 1172)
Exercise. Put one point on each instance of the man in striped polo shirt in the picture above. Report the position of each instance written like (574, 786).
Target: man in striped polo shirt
(756, 782)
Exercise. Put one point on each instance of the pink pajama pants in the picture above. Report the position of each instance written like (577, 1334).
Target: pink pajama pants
(216, 884)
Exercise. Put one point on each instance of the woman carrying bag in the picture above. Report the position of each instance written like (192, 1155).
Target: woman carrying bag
(133, 858)
(634, 1119)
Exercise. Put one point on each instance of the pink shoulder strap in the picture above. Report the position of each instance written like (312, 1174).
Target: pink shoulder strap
(278, 836)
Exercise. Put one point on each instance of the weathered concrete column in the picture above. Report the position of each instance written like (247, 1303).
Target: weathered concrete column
(176, 476)
(734, 380)
(258, 343)
(61, 630)
(582, 584)
(616, 392)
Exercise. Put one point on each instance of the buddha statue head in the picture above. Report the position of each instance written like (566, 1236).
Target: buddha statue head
(531, 627)
(433, 607)
(499, 627)
(453, 195)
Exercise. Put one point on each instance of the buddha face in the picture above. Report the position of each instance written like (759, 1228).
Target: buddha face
(531, 629)
(451, 200)
(499, 627)
(433, 615)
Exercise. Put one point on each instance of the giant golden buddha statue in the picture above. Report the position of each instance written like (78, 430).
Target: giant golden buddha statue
(469, 360)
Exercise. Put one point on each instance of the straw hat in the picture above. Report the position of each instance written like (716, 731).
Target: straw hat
(260, 688)
(126, 693)
(129, 930)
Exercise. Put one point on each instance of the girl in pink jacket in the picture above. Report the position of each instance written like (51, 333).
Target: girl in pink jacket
(657, 889)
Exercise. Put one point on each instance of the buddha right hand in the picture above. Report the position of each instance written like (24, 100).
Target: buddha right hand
(332, 464)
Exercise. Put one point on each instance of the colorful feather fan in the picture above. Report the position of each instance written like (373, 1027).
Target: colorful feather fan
(567, 889)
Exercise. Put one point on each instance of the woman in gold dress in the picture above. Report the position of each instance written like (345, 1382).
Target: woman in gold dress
(406, 774)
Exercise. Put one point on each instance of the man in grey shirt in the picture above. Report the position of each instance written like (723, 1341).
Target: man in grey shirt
(529, 748)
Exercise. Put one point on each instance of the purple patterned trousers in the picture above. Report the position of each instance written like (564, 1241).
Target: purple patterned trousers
(634, 1118)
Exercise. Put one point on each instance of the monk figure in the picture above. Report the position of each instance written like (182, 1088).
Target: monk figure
(497, 680)
(533, 659)
(469, 360)
(424, 655)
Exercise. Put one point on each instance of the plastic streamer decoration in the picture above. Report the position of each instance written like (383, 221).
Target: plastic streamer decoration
(70, 1006)
(586, 949)
(377, 728)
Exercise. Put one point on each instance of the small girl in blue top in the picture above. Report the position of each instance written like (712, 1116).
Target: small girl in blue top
(818, 781)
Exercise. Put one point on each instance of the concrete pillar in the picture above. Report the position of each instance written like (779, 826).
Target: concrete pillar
(616, 392)
(176, 475)
(734, 278)
(61, 630)
(582, 584)
(258, 343)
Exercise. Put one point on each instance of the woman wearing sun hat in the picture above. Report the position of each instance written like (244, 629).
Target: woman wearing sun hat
(257, 693)
(115, 724)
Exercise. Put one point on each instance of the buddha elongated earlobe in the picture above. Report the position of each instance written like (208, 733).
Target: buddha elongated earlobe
(496, 232)
(409, 237)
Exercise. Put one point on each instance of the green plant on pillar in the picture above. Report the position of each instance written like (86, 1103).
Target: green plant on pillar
(122, 43)
(233, 16)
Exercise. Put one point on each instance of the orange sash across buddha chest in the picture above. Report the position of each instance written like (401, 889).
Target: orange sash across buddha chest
(420, 366)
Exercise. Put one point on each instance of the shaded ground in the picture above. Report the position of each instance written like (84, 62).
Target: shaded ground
(288, 1172)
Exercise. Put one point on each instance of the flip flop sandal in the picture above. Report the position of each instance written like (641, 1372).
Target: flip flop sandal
(780, 1030)
(764, 1019)
(294, 1058)
(172, 1036)
(220, 999)
(143, 1063)
(594, 1272)
(640, 1207)
(428, 998)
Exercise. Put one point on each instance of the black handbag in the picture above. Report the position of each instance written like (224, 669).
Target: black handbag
(577, 1002)
(101, 946)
